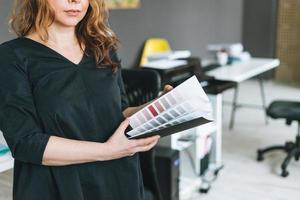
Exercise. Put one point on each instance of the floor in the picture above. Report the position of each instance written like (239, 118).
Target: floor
(243, 178)
(6, 185)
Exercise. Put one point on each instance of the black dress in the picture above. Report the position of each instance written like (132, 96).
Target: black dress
(44, 94)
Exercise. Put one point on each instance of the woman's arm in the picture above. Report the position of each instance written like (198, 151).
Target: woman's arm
(60, 151)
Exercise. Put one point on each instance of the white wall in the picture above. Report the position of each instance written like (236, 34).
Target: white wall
(5, 6)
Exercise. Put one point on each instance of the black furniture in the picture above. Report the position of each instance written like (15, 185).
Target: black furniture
(141, 87)
(290, 111)
(177, 75)
(168, 170)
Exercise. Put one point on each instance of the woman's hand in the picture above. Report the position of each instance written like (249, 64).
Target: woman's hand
(167, 88)
(131, 110)
(118, 145)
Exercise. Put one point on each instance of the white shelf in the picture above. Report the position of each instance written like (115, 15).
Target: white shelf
(6, 164)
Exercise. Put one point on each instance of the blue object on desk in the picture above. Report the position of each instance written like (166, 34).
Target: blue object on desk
(3, 149)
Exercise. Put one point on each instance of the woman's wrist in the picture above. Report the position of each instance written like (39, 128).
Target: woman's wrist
(102, 152)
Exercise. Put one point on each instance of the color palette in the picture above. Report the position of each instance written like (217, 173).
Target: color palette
(183, 103)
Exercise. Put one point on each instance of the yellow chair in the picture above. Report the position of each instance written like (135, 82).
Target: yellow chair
(154, 45)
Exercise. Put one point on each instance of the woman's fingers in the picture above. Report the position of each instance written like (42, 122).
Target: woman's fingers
(167, 88)
(126, 147)
(146, 147)
(144, 144)
(123, 125)
(145, 141)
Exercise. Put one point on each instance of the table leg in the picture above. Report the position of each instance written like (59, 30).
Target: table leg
(216, 149)
(234, 106)
(263, 96)
(218, 135)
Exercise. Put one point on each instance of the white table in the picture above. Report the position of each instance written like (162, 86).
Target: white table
(241, 71)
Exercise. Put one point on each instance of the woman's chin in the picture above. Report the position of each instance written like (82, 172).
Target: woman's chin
(68, 23)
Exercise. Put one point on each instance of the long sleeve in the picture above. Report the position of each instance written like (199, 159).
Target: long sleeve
(18, 116)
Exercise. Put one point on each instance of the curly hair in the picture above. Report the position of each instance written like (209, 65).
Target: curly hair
(35, 16)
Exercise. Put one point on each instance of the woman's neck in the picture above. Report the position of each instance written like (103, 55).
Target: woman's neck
(62, 36)
(63, 41)
(59, 37)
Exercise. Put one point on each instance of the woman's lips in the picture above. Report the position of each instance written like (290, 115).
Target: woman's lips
(72, 13)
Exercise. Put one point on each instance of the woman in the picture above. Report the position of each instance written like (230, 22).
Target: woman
(63, 104)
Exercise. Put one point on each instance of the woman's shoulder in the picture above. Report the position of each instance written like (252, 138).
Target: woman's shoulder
(8, 52)
(19, 47)
(11, 43)
(6, 48)
(9, 47)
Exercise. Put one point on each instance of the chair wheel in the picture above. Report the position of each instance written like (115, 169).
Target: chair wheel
(284, 173)
(204, 188)
(260, 156)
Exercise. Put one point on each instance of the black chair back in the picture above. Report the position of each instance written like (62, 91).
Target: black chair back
(141, 85)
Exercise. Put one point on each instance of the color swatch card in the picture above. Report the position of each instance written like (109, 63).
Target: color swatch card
(185, 103)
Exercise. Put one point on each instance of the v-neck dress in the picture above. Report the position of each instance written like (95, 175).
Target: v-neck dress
(44, 94)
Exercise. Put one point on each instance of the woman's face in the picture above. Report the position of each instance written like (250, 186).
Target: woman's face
(69, 13)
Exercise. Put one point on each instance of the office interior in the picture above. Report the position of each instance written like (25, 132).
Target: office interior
(251, 113)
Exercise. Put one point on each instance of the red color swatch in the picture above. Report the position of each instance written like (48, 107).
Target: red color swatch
(152, 110)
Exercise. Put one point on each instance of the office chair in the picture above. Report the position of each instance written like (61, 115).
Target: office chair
(151, 46)
(141, 87)
(290, 111)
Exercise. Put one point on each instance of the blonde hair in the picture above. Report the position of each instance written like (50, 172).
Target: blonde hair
(35, 16)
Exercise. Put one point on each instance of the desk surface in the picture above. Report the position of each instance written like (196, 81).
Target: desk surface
(242, 71)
